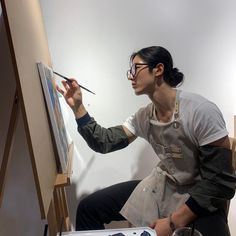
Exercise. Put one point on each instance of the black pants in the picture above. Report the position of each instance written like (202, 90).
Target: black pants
(104, 205)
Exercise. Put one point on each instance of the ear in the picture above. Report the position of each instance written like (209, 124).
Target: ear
(159, 70)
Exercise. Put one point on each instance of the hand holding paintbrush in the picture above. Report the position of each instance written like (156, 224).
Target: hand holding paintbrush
(73, 95)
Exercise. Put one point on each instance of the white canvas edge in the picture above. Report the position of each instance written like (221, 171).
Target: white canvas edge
(42, 76)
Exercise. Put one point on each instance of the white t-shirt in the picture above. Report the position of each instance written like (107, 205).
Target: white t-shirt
(202, 120)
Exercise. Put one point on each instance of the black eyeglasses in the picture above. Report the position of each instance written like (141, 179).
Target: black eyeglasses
(132, 71)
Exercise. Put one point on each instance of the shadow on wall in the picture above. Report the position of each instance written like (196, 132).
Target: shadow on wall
(72, 198)
(73, 202)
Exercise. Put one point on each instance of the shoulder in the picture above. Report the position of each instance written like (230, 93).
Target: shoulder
(197, 104)
(138, 122)
(202, 117)
(144, 112)
(192, 99)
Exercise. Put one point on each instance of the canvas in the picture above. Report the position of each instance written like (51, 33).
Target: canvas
(56, 118)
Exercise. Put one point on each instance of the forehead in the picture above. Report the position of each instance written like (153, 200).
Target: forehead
(137, 59)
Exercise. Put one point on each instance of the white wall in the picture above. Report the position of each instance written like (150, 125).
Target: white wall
(92, 41)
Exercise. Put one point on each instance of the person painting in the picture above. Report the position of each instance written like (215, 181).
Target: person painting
(194, 178)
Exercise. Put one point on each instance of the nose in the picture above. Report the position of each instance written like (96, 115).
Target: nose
(130, 77)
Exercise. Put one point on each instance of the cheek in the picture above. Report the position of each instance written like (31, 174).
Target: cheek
(146, 80)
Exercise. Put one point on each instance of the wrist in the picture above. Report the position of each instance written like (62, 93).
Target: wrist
(176, 221)
(84, 120)
(182, 217)
(79, 111)
(171, 223)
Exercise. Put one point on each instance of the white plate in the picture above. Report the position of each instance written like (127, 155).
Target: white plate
(138, 231)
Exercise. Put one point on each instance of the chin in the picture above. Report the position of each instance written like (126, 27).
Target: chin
(138, 92)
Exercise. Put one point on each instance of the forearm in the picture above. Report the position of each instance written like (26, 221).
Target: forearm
(211, 193)
(101, 139)
(218, 180)
(187, 213)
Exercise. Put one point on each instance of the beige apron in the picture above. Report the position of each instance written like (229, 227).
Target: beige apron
(165, 189)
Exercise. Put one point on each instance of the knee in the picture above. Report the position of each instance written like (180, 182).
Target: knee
(83, 206)
(86, 206)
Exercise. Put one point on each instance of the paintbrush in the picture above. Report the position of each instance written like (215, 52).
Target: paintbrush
(70, 81)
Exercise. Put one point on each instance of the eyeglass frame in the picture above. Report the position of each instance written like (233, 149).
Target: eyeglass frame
(134, 67)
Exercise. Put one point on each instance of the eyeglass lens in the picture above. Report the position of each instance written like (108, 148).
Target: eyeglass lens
(132, 70)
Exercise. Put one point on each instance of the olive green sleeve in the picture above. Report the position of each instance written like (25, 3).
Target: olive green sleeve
(218, 178)
(101, 139)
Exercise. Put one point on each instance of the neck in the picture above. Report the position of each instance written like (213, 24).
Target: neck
(164, 102)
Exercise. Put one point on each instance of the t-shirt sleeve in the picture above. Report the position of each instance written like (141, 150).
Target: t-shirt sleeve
(208, 123)
(138, 123)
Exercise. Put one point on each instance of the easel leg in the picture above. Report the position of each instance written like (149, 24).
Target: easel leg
(8, 145)
(235, 126)
(58, 216)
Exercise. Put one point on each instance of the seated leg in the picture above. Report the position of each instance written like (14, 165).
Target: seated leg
(103, 206)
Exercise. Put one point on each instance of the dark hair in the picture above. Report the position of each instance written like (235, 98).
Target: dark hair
(156, 54)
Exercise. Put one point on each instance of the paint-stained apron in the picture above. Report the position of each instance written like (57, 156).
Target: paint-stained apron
(166, 188)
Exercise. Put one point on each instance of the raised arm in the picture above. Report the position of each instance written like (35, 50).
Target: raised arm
(98, 138)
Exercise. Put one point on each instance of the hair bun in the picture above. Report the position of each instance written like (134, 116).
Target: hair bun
(176, 77)
(175, 70)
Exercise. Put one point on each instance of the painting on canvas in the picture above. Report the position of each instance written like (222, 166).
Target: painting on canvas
(55, 113)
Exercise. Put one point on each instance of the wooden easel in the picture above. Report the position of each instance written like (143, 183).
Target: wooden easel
(235, 126)
(58, 215)
(8, 144)
(29, 102)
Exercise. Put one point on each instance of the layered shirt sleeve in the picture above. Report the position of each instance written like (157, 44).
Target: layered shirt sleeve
(218, 179)
(101, 139)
